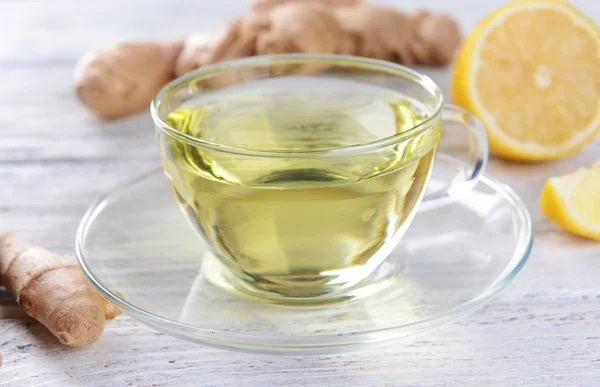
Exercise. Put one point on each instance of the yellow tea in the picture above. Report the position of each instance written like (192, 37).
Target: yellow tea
(286, 201)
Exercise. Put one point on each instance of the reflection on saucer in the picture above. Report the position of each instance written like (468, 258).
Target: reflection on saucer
(212, 305)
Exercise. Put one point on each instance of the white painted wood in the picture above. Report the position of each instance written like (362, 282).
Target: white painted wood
(55, 159)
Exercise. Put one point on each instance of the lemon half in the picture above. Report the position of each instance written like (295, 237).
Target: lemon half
(531, 72)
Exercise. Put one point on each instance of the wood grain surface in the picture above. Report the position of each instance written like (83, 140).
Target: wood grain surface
(55, 159)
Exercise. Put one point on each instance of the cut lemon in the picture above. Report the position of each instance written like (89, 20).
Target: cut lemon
(573, 201)
(531, 72)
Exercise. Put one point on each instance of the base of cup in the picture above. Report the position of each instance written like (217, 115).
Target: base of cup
(308, 293)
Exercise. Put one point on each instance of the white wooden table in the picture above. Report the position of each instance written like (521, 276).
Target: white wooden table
(55, 159)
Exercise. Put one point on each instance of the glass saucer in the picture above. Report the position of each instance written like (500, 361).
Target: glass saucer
(137, 249)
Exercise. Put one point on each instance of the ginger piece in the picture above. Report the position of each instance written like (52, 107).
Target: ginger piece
(53, 290)
(266, 5)
(299, 27)
(256, 22)
(437, 36)
(382, 33)
(123, 79)
(305, 28)
(228, 41)
(385, 33)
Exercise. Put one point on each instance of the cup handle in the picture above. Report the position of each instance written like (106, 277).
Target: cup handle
(469, 173)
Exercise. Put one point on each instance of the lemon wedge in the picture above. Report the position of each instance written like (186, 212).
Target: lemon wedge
(573, 201)
(531, 72)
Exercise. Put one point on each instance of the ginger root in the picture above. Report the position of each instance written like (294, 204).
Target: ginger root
(121, 80)
(53, 290)
(229, 41)
(303, 27)
(436, 38)
(421, 38)
(265, 5)
(381, 33)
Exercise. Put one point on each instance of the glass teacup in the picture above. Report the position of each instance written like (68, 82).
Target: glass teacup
(303, 172)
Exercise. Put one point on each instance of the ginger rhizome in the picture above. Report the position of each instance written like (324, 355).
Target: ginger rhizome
(53, 290)
(265, 5)
(121, 80)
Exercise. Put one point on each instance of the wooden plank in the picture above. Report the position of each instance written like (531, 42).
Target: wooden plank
(488, 348)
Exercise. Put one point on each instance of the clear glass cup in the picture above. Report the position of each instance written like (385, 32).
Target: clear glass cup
(308, 226)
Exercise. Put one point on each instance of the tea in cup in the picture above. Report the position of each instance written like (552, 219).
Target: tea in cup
(302, 184)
